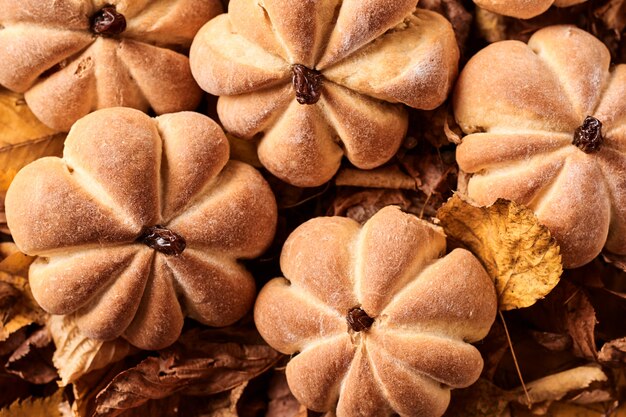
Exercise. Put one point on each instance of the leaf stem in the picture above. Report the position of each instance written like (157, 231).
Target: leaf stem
(519, 372)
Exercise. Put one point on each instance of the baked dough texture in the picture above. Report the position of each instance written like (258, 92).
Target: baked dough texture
(370, 57)
(50, 52)
(523, 9)
(87, 215)
(521, 106)
(423, 312)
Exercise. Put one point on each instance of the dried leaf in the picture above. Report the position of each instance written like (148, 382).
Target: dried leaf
(23, 139)
(362, 205)
(567, 311)
(30, 407)
(435, 170)
(282, 402)
(613, 14)
(491, 26)
(86, 388)
(555, 387)
(613, 353)
(76, 354)
(482, 399)
(553, 341)
(386, 177)
(564, 409)
(517, 251)
(18, 308)
(32, 360)
(244, 151)
(454, 11)
(202, 362)
(616, 260)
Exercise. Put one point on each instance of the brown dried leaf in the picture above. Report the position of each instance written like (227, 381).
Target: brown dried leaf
(615, 260)
(613, 353)
(386, 177)
(362, 205)
(23, 139)
(482, 399)
(454, 11)
(76, 354)
(613, 15)
(31, 407)
(567, 311)
(87, 387)
(282, 402)
(435, 170)
(555, 387)
(32, 360)
(517, 251)
(202, 362)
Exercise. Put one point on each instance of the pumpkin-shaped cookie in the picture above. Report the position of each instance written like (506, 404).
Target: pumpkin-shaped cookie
(71, 57)
(380, 323)
(546, 125)
(523, 9)
(314, 80)
(141, 223)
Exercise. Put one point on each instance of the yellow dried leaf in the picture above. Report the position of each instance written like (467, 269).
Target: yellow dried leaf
(23, 138)
(20, 308)
(516, 250)
(77, 354)
(48, 407)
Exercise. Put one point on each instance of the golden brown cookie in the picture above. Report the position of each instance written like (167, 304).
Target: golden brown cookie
(71, 57)
(317, 80)
(141, 223)
(546, 128)
(380, 321)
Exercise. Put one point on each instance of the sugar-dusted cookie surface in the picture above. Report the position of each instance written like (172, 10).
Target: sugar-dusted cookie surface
(317, 80)
(142, 222)
(71, 57)
(381, 322)
(546, 125)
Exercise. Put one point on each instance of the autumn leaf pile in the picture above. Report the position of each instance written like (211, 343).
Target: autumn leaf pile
(558, 346)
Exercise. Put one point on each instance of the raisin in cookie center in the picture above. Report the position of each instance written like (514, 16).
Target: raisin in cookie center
(307, 83)
(163, 240)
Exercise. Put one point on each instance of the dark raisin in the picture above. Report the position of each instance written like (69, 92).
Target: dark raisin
(308, 84)
(358, 320)
(588, 137)
(163, 240)
(107, 21)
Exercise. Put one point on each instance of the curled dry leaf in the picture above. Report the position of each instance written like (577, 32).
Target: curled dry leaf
(282, 403)
(615, 260)
(76, 354)
(202, 362)
(613, 353)
(555, 387)
(32, 360)
(361, 205)
(516, 250)
(48, 407)
(482, 399)
(386, 177)
(23, 139)
(18, 308)
(454, 11)
(613, 15)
